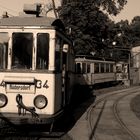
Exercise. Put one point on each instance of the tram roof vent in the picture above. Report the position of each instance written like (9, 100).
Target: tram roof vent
(5, 14)
(33, 9)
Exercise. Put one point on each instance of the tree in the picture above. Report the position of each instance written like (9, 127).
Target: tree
(88, 23)
(120, 34)
(135, 31)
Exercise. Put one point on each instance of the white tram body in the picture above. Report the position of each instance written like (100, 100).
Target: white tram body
(90, 71)
(122, 71)
(36, 69)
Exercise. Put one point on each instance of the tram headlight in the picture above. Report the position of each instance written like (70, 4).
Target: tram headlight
(3, 100)
(40, 101)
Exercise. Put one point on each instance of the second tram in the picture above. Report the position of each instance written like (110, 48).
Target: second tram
(90, 71)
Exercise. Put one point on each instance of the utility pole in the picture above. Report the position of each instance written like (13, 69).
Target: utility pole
(54, 9)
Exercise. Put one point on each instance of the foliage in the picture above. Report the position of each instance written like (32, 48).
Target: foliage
(120, 33)
(129, 33)
(89, 24)
(135, 31)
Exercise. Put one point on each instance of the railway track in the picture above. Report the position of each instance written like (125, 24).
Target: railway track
(101, 102)
(120, 121)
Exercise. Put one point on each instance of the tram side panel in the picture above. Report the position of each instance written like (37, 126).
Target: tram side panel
(102, 78)
(103, 72)
(90, 72)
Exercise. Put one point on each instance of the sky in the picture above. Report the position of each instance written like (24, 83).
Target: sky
(13, 7)
(131, 9)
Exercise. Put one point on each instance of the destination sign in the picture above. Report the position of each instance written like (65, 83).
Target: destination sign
(22, 88)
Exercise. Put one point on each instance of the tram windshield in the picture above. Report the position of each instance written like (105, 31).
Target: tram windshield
(22, 50)
(3, 50)
(42, 50)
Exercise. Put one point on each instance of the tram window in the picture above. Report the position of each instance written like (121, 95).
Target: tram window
(102, 68)
(22, 50)
(57, 60)
(125, 68)
(111, 67)
(3, 55)
(78, 68)
(96, 67)
(107, 67)
(59, 44)
(119, 68)
(88, 68)
(83, 67)
(42, 50)
(3, 50)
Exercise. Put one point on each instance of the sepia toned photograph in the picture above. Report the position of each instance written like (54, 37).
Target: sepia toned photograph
(69, 70)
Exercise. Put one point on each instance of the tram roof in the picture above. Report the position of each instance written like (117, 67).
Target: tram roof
(32, 21)
(79, 59)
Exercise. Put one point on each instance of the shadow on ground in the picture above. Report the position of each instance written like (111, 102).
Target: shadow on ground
(82, 98)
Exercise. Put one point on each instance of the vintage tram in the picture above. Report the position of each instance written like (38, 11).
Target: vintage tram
(36, 69)
(91, 71)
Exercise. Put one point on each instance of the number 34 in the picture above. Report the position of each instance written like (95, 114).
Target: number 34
(39, 84)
